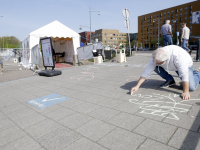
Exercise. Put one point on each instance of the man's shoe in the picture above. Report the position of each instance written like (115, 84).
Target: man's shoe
(167, 84)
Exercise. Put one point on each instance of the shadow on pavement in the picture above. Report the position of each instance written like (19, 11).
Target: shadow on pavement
(192, 138)
(151, 84)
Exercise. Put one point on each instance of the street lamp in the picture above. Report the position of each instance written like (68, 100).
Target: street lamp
(3, 37)
(90, 21)
(158, 29)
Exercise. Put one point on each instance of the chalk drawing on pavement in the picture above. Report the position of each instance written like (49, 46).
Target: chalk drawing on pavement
(161, 105)
(83, 76)
(122, 65)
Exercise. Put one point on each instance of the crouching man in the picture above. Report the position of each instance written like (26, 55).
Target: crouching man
(172, 58)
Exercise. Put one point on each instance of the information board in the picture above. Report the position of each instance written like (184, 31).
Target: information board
(47, 52)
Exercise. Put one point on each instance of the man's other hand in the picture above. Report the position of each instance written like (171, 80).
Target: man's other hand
(185, 95)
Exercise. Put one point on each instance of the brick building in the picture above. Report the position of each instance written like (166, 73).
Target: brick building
(148, 24)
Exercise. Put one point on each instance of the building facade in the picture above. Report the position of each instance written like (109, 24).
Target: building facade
(85, 36)
(149, 25)
(110, 37)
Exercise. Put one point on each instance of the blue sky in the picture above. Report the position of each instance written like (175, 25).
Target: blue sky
(20, 17)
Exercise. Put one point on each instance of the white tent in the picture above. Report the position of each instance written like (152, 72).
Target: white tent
(63, 39)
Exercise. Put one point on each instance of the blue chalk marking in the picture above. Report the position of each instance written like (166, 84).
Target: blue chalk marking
(47, 100)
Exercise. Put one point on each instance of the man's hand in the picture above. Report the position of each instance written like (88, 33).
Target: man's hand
(172, 35)
(134, 89)
(185, 95)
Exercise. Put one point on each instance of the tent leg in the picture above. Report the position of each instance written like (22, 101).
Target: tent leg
(75, 60)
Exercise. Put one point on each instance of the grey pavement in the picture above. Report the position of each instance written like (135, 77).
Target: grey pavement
(100, 113)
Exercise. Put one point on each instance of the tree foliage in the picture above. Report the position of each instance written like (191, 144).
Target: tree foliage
(9, 41)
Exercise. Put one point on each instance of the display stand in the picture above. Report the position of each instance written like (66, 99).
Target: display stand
(198, 47)
(48, 61)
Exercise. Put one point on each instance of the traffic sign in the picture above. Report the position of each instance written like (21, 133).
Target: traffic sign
(125, 13)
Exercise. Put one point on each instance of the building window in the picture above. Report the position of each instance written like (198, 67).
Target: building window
(157, 15)
(111, 34)
(154, 16)
(168, 17)
(185, 13)
(190, 22)
(190, 27)
(181, 14)
(181, 10)
(176, 11)
(105, 34)
(190, 17)
(190, 7)
(164, 13)
(185, 18)
(185, 8)
(180, 19)
(172, 11)
(105, 38)
(168, 12)
(176, 15)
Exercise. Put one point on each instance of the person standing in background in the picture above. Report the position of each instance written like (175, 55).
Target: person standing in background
(185, 37)
(166, 31)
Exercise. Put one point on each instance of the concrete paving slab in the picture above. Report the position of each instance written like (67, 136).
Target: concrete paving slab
(29, 120)
(156, 130)
(12, 108)
(184, 139)
(41, 128)
(103, 113)
(20, 113)
(154, 145)
(86, 108)
(95, 129)
(10, 135)
(74, 121)
(85, 144)
(58, 139)
(127, 107)
(126, 121)
(60, 113)
(109, 102)
(6, 123)
(24, 143)
(119, 139)
(185, 121)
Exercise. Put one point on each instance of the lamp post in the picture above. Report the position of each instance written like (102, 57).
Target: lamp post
(90, 11)
(158, 30)
(90, 21)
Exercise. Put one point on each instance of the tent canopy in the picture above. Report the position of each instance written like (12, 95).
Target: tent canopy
(55, 29)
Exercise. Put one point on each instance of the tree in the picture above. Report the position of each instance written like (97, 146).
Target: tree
(9, 41)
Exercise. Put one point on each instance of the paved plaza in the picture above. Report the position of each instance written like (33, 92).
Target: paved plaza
(90, 108)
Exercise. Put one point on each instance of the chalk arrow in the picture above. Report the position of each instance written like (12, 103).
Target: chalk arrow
(46, 99)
